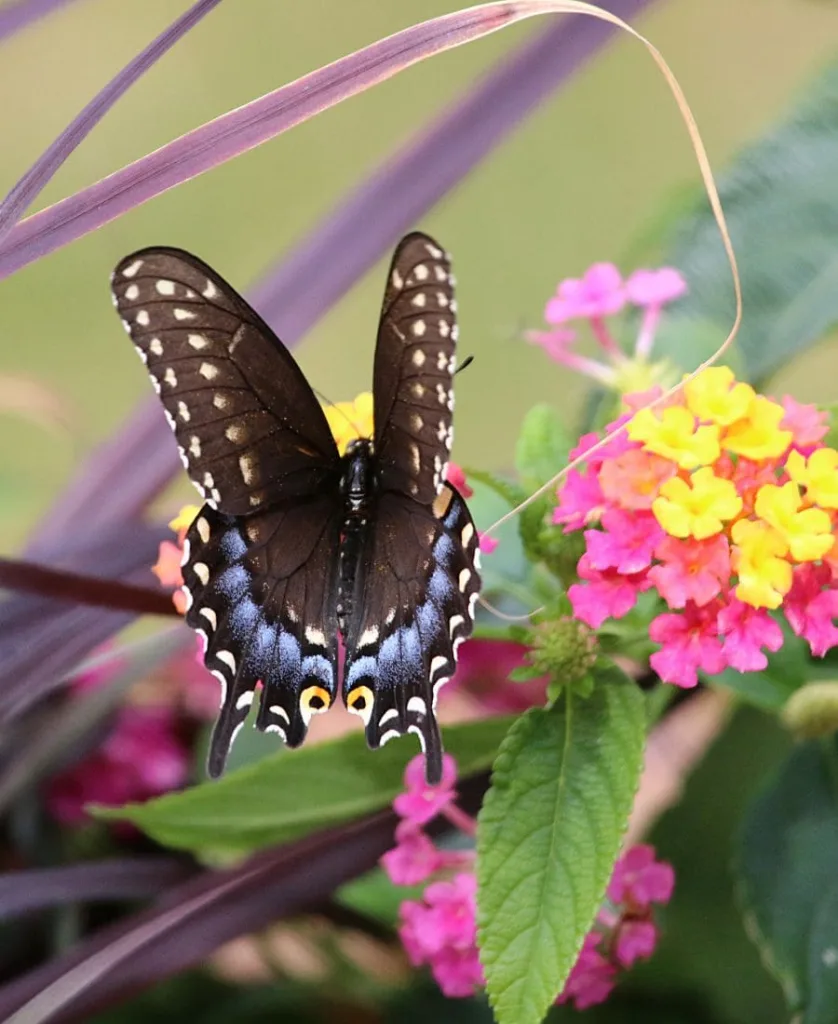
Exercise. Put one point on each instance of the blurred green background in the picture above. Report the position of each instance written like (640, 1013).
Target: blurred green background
(581, 180)
(584, 179)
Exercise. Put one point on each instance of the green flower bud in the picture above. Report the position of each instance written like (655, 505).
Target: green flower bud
(812, 710)
(566, 651)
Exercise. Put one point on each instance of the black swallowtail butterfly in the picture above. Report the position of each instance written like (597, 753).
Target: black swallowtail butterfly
(297, 543)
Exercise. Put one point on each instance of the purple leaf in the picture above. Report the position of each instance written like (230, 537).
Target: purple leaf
(128, 878)
(82, 589)
(16, 16)
(37, 177)
(193, 919)
(246, 127)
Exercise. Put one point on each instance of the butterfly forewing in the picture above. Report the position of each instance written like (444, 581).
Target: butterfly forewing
(420, 591)
(261, 593)
(249, 429)
(413, 372)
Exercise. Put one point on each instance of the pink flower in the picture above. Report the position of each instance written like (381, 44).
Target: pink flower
(421, 803)
(626, 543)
(487, 543)
(580, 500)
(689, 642)
(810, 609)
(592, 978)
(639, 880)
(141, 758)
(457, 478)
(691, 570)
(555, 343)
(604, 595)
(484, 668)
(808, 424)
(746, 630)
(458, 972)
(599, 293)
(414, 858)
(655, 287)
(636, 940)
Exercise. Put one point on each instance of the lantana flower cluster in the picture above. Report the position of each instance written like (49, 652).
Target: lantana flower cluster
(440, 929)
(724, 503)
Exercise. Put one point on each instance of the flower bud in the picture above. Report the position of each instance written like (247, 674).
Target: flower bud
(812, 710)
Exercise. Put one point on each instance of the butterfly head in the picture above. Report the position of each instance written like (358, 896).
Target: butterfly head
(358, 478)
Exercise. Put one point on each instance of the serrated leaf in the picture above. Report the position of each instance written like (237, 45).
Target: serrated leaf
(785, 865)
(780, 204)
(288, 795)
(542, 447)
(548, 835)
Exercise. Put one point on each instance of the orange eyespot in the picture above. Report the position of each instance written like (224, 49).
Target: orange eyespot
(360, 702)
(314, 701)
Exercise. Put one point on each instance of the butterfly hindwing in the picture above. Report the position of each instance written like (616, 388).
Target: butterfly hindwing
(420, 588)
(262, 593)
(413, 370)
(249, 429)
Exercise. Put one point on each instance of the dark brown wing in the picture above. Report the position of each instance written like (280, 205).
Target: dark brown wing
(249, 428)
(419, 588)
(414, 368)
(262, 592)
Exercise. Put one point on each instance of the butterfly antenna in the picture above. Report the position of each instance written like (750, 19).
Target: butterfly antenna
(505, 616)
(466, 362)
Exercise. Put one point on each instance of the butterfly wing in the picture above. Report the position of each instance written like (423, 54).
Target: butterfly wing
(414, 367)
(249, 429)
(420, 587)
(261, 592)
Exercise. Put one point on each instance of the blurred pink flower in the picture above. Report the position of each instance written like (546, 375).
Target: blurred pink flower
(483, 670)
(655, 287)
(593, 977)
(638, 880)
(599, 292)
(457, 478)
(421, 803)
(414, 858)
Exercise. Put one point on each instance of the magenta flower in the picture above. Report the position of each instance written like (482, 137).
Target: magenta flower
(647, 288)
(141, 758)
(580, 500)
(421, 803)
(636, 940)
(626, 544)
(604, 594)
(639, 880)
(811, 610)
(746, 630)
(689, 641)
(487, 544)
(484, 668)
(593, 976)
(599, 293)
(457, 478)
(458, 972)
(808, 424)
(691, 570)
(414, 858)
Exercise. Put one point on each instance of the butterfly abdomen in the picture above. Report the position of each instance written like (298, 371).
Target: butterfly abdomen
(357, 488)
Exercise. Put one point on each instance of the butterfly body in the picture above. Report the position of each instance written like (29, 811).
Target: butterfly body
(298, 544)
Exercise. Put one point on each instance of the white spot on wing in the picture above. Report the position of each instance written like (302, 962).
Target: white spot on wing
(437, 663)
(132, 268)
(210, 291)
(210, 616)
(132, 292)
(279, 711)
(208, 371)
(315, 636)
(197, 341)
(142, 318)
(183, 314)
(228, 659)
(165, 287)
(462, 582)
(417, 705)
(387, 716)
(201, 570)
(369, 636)
(245, 700)
(155, 346)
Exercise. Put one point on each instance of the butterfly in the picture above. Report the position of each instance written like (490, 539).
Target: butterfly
(298, 544)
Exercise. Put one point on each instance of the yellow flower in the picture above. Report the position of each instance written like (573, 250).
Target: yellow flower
(350, 420)
(674, 435)
(757, 435)
(711, 397)
(808, 532)
(698, 507)
(184, 519)
(818, 474)
(758, 558)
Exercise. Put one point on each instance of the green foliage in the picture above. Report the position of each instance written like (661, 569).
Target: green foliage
(540, 453)
(780, 202)
(786, 861)
(548, 835)
(284, 797)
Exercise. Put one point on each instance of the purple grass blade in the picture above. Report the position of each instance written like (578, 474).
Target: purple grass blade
(129, 471)
(16, 574)
(393, 198)
(36, 178)
(195, 918)
(127, 878)
(17, 16)
(42, 639)
(249, 126)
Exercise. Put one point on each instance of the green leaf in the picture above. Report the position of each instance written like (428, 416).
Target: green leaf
(288, 795)
(542, 446)
(786, 868)
(780, 202)
(548, 835)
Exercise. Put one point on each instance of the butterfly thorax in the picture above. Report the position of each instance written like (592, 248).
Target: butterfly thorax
(358, 489)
